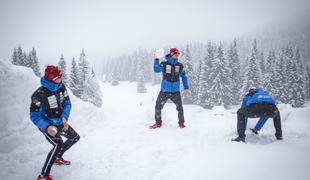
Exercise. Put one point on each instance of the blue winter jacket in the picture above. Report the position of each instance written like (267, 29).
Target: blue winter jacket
(167, 86)
(38, 109)
(259, 96)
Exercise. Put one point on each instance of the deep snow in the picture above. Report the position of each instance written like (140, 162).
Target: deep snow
(116, 143)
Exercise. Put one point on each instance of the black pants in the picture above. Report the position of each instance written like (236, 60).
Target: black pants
(60, 147)
(259, 110)
(162, 98)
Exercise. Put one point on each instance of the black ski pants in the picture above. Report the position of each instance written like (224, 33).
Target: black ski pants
(59, 147)
(259, 110)
(162, 98)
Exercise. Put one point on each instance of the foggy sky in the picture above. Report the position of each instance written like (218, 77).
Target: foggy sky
(108, 28)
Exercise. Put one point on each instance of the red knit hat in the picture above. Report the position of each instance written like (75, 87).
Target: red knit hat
(52, 73)
(174, 51)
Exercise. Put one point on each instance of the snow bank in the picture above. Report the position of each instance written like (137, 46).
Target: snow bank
(285, 110)
(117, 144)
(23, 148)
(218, 110)
(17, 84)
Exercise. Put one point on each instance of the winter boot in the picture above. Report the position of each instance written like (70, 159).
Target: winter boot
(61, 161)
(46, 177)
(279, 137)
(182, 126)
(239, 139)
(254, 131)
(154, 126)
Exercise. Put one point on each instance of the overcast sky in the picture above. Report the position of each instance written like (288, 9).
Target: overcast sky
(108, 28)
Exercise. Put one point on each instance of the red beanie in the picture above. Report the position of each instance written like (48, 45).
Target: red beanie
(174, 51)
(52, 73)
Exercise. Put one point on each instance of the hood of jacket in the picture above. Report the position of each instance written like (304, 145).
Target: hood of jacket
(50, 85)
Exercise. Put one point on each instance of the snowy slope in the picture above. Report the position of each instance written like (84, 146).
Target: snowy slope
(116, 143)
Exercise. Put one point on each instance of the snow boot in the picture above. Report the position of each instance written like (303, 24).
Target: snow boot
(61, 161)
(279, 137)
(254, 131)
(154, 126)
(46, 177)
(182, 126)
(239, 139)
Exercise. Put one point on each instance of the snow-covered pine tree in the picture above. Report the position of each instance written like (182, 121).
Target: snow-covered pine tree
(156, 77)
(278, 87)
(34, 62)
(188, 67)
(253, 74)
(270, 73)
(20, 56)
(92, 72)
(262, 64)
(133, 67)
(204, 97)
(92, 92)
(125, 68)
(83, 68)
(299, 62)
(63, 65)
(307, 81)
(115, 76)
(74, 79)
(234, 66)
(108, 70)
(295, 84)
(15, 59)
(220, 80)
(26, 61)
(271, 59)
(199, 70)
(141, 77)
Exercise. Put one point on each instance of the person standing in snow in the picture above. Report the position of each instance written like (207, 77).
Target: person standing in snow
(49, 111)
(171, 70)
(258, 103)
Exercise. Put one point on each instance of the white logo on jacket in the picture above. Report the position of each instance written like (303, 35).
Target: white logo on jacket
(52, 102)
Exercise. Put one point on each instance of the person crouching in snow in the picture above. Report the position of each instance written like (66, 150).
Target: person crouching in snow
(171, 70)
(258, 103)
(49, 111)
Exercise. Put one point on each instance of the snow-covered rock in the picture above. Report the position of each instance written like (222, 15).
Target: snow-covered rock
(218, 110)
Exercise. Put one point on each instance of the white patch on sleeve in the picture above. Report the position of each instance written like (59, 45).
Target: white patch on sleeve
(65, 94)
(177, 69)
(168, 69)
(61, 95)
(52, 102)
(38, 103)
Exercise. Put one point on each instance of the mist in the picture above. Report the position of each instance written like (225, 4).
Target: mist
(111, 28)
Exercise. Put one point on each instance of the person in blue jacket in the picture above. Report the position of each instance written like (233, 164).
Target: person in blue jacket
(171, 71)
(49, 111)
(262, 120)
(258, 103)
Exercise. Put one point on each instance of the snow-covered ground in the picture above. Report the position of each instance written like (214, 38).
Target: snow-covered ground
(116, 143)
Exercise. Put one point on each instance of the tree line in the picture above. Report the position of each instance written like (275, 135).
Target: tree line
(81, 80)
(219, 75)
